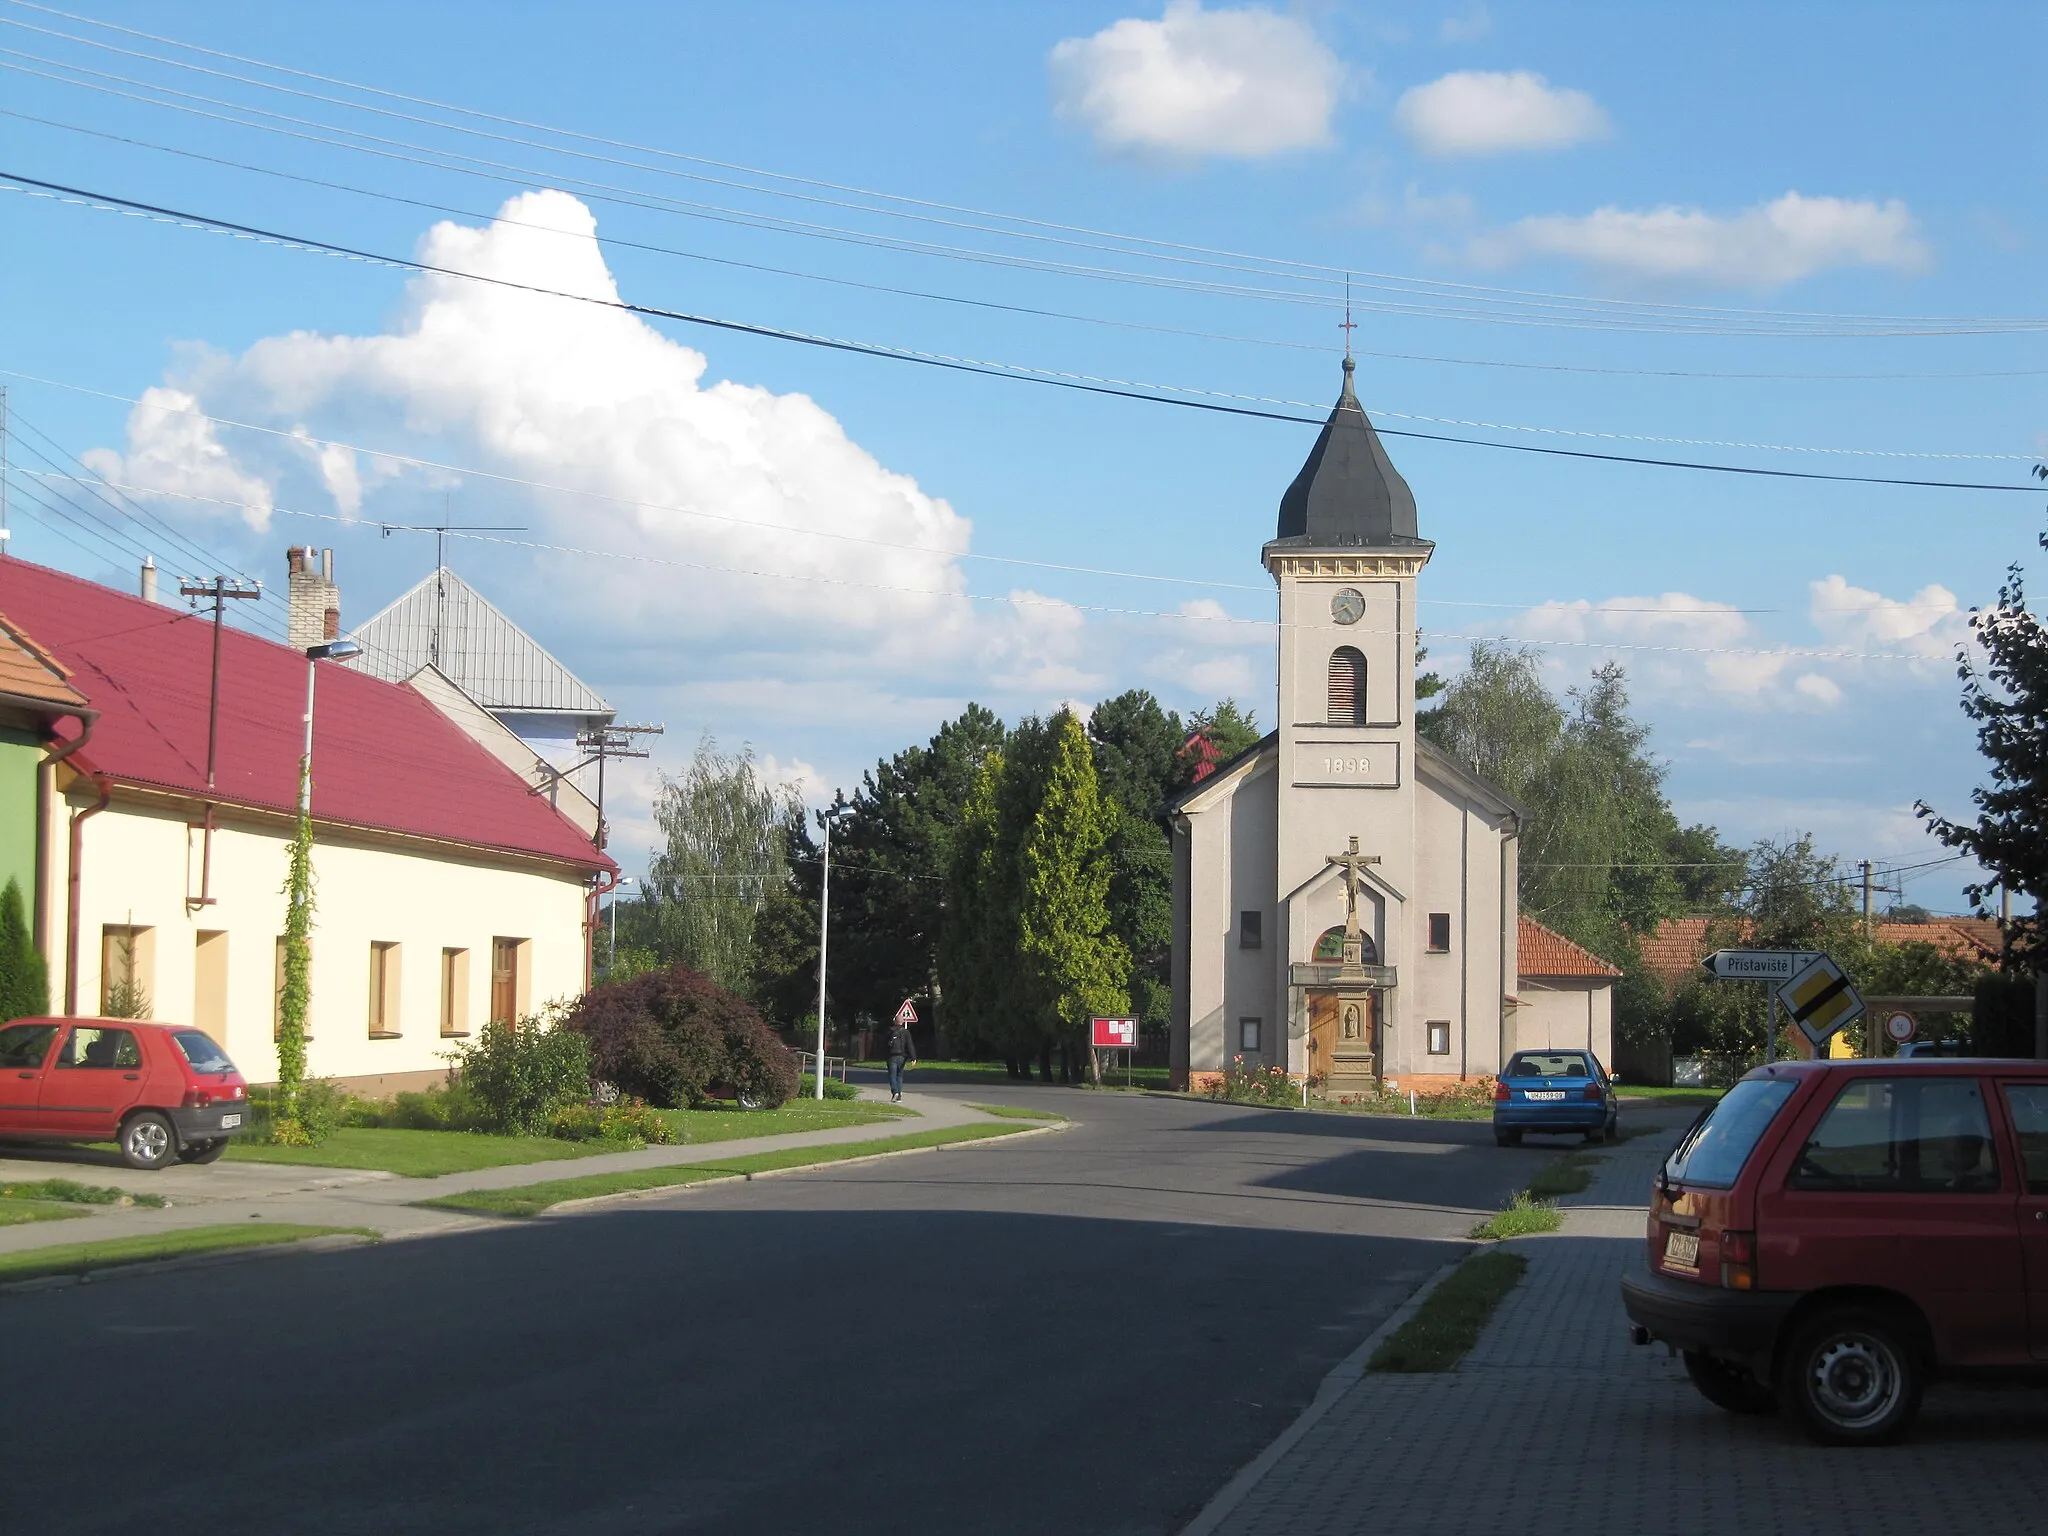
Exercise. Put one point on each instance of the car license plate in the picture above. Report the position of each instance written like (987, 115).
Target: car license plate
(1682, 1250)
(1553, 1096)
(229, 1122)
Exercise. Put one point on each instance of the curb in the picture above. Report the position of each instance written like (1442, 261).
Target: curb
(1336, 1383)
(328, 1242)
(569, 1207)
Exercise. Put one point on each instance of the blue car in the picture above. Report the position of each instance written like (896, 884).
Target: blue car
(1558, 1093)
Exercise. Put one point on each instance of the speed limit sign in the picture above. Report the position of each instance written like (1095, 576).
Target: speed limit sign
(1900, 1027)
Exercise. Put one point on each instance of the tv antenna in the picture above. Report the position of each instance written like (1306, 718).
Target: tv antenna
(440, 531)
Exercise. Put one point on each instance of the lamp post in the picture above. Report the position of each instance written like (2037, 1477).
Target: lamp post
(297, 995)
(825, 820)
(611, 955)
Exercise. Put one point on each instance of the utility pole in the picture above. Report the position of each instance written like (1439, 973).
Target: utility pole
(219, 590)
(603, 744)
(6, 533)
(1866, 897)
(825, 819)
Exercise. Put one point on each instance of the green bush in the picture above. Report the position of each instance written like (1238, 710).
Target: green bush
(629, 1123)
(324, 1107)
(2002, 1022)
(518, 1077)
(807, 1088)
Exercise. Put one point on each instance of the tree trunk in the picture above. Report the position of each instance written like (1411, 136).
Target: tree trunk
(1045, 1061)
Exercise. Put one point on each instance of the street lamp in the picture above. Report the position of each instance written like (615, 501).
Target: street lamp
(825, 820)
(296, 998)
(611, 958)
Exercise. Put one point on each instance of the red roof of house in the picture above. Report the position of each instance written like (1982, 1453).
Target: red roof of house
(1544, 952)
(383, 757)
(1675, 950)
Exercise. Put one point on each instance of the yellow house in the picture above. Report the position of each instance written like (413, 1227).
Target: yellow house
(447, 891)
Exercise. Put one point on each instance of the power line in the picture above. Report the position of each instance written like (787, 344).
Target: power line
(1575, 311)
(1287, 266)
(57, 191)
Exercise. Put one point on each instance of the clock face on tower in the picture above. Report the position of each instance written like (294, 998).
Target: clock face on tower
(1348, 606)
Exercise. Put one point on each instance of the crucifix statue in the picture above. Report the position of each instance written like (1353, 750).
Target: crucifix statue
(1353, 863)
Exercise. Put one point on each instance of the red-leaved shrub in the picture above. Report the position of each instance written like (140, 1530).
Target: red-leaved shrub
(675, 1038)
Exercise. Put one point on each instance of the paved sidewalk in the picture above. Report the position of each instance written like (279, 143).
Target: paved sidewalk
(1555, 1420)
(337, 1197)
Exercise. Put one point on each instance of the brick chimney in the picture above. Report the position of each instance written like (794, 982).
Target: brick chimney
(313, 600)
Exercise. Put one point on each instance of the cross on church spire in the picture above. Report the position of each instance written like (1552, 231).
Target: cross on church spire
(1346, 325)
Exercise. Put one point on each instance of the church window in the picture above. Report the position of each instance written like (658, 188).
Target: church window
(1329, 948)
(1247, 1034)
(1439, 1037)
(1347, 686)
(1439, 932)
(1251, 930)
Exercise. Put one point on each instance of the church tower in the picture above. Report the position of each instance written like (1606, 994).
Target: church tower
(1344, 893)
(1346, 557)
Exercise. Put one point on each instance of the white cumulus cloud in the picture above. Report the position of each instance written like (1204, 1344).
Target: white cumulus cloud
(177, 455)
(1930, 623)
(1763, 246)
(1489, 112)
(1244, 83)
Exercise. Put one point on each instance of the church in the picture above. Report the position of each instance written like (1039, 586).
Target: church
(1344, 893)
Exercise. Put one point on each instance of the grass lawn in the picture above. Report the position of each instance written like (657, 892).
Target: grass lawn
(1017, 1112)
(532, 1199)
(1524, 1216)
(730, 1123)
(1447, 1325)
(78, 1258)
(419, 1154)
(71, 1192)
(14, 1213)
(1669, 1095)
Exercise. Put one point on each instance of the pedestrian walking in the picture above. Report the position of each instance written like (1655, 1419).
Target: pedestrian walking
(902, 1049)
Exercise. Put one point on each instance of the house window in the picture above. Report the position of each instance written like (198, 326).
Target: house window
(1251, 930)
(1347, 686)
(277, 991)
(1439, 932)
(454, 991)
(210, 982)
(1439, 1037)
(127, 966)
(509, 963)
(384, 974)
(1247, 1034)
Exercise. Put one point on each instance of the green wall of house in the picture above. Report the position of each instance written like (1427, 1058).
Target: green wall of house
(20, 752)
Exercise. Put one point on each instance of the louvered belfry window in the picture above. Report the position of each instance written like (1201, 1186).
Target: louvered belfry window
(1347, 686)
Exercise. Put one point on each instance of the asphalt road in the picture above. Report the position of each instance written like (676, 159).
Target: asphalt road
(1089, 1331)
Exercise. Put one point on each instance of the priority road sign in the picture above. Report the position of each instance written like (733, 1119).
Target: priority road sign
(1757, 964)
(907, 1014)
(1821, 1000)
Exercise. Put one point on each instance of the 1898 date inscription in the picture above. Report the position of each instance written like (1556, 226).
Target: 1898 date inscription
(1334, 765)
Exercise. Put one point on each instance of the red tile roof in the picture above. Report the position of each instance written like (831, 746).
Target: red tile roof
(1675, 950)
(1545, 952)
(383, 757)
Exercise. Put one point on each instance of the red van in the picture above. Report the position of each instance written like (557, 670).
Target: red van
(158, 1091)
(1834, 1234)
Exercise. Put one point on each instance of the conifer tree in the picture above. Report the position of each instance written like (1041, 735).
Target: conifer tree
(24, 978)
(1074, 963)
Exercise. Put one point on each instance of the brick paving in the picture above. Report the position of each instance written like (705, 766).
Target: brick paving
(1555, 1421)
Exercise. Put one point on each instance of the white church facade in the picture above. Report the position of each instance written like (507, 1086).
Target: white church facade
(1344, 892)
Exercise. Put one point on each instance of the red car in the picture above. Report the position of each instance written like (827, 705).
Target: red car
(1833, 1235)
(158, 1091)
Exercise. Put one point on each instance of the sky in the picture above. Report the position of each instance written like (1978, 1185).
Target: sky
(1774, 238)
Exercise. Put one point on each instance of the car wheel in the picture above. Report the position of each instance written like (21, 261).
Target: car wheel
(203, 1151)
(147, 1141)
(1612, 1130)
(748, 1100)
(1729, 1386)
(1853, 1376)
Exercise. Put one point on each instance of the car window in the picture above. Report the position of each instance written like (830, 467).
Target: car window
(200, 1050)
(25, 1045)
(106, 1050)
(1550, 1064)
(1714, 1150)
(1902, 1135)
(2029, 1105)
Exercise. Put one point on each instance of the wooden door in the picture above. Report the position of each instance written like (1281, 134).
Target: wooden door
(505, 981)
(1322, 1033)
